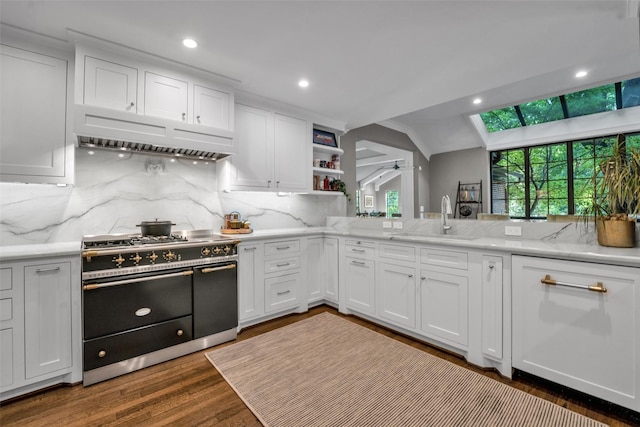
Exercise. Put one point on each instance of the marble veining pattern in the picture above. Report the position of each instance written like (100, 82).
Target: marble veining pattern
(114, 194)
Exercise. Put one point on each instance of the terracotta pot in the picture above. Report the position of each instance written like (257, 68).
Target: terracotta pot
(617, 234)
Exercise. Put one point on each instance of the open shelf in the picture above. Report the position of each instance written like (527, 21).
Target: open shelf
(328, 171)
(328, 149)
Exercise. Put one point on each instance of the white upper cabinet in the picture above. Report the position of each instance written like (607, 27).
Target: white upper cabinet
(272, 152)
(252, 166)
(110, 85)
(290, 152)
(165, 97)
(211, 107)
(33, 114)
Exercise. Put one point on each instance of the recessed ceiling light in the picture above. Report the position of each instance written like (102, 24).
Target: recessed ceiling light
(190, 43)
(580, 74)
(303, 83)
(477, 101)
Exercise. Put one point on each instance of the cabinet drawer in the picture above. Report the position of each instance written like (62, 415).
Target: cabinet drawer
(281, 264)
(286, 247)
(6, 309)
(397, 252)
(6, 278)
(442, 258)
(123, 346)
(356, 242)
(281, 292)
(362, 252)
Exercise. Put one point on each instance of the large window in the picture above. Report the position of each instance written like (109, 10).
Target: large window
(393, 202)
(614, 96)
(533, 182)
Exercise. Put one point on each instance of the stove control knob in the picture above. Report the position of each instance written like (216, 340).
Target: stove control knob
(217, 250)
(118, 260)
(205, 251)
(152, 257)
(136, 259)
(169, 256)
(227, 249)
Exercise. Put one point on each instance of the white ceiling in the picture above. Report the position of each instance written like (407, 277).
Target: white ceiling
(414, 66)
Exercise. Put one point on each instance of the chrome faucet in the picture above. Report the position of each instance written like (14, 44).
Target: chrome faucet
(445, 207)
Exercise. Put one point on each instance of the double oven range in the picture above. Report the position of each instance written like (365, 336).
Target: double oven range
(146, 300)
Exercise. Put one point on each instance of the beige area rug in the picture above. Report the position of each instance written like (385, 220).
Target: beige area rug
(327, 371)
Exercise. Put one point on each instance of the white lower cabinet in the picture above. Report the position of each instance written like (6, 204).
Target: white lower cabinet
(269, 279)
(444, 307)
(396, 294)
(250, 279)
(39, 304)
(359, 284)
(580, 338)
(322, 269)
(491, 288)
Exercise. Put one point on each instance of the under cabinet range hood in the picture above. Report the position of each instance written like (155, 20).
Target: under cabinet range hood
(138, 147)
(102, 128)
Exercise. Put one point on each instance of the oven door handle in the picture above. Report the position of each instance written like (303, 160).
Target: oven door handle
(224, 267)
(136, 280)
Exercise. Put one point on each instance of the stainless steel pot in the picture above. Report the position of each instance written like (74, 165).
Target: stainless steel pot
(155, 228)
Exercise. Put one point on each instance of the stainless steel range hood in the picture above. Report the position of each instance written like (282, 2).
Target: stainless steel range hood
(102, 128)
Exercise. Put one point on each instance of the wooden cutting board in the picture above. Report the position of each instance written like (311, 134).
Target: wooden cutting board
(236, 230)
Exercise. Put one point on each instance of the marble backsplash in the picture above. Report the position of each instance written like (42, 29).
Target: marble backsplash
(114, 194)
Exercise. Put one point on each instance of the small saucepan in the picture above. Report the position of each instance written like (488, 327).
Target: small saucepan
(155, 228)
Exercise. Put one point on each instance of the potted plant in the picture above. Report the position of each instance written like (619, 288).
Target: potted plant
(339, 185)
(616, 200)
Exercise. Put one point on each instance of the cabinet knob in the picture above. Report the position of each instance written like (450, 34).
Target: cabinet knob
(132, 104)
(492, 265)
(198, 117)
(422, 278)
(409, 275)
(102, 353)
(269, 183)
(180, 332)
(184, 116)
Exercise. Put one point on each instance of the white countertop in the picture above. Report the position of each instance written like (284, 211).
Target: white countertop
(541, 248)
(42, 250)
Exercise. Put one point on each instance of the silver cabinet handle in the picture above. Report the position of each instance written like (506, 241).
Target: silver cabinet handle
(198, 118)
(409, 275)
(277, 183)
(132, 104)
(281, 248)
(283, 292)
(46, 270)
(184, 116)
(358, 250)
(252, 248)
(357, 262)
(283, 264)
(598, 287)
(422, 278)
(269, 183)
(492, 265)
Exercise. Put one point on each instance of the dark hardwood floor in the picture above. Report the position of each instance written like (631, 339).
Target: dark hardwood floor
(189, 392)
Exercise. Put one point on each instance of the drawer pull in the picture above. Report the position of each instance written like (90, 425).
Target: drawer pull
(252, 248)
(141, 312)
(102, 353)
(283, 292)
(598, 287)
(281, 248)
(358, 250)
(180, 332)
(284, 264)
(46, 270)
(357, 262)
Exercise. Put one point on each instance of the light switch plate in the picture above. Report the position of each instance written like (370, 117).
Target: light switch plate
(397, 224)
(386, 224)
(512, 230)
